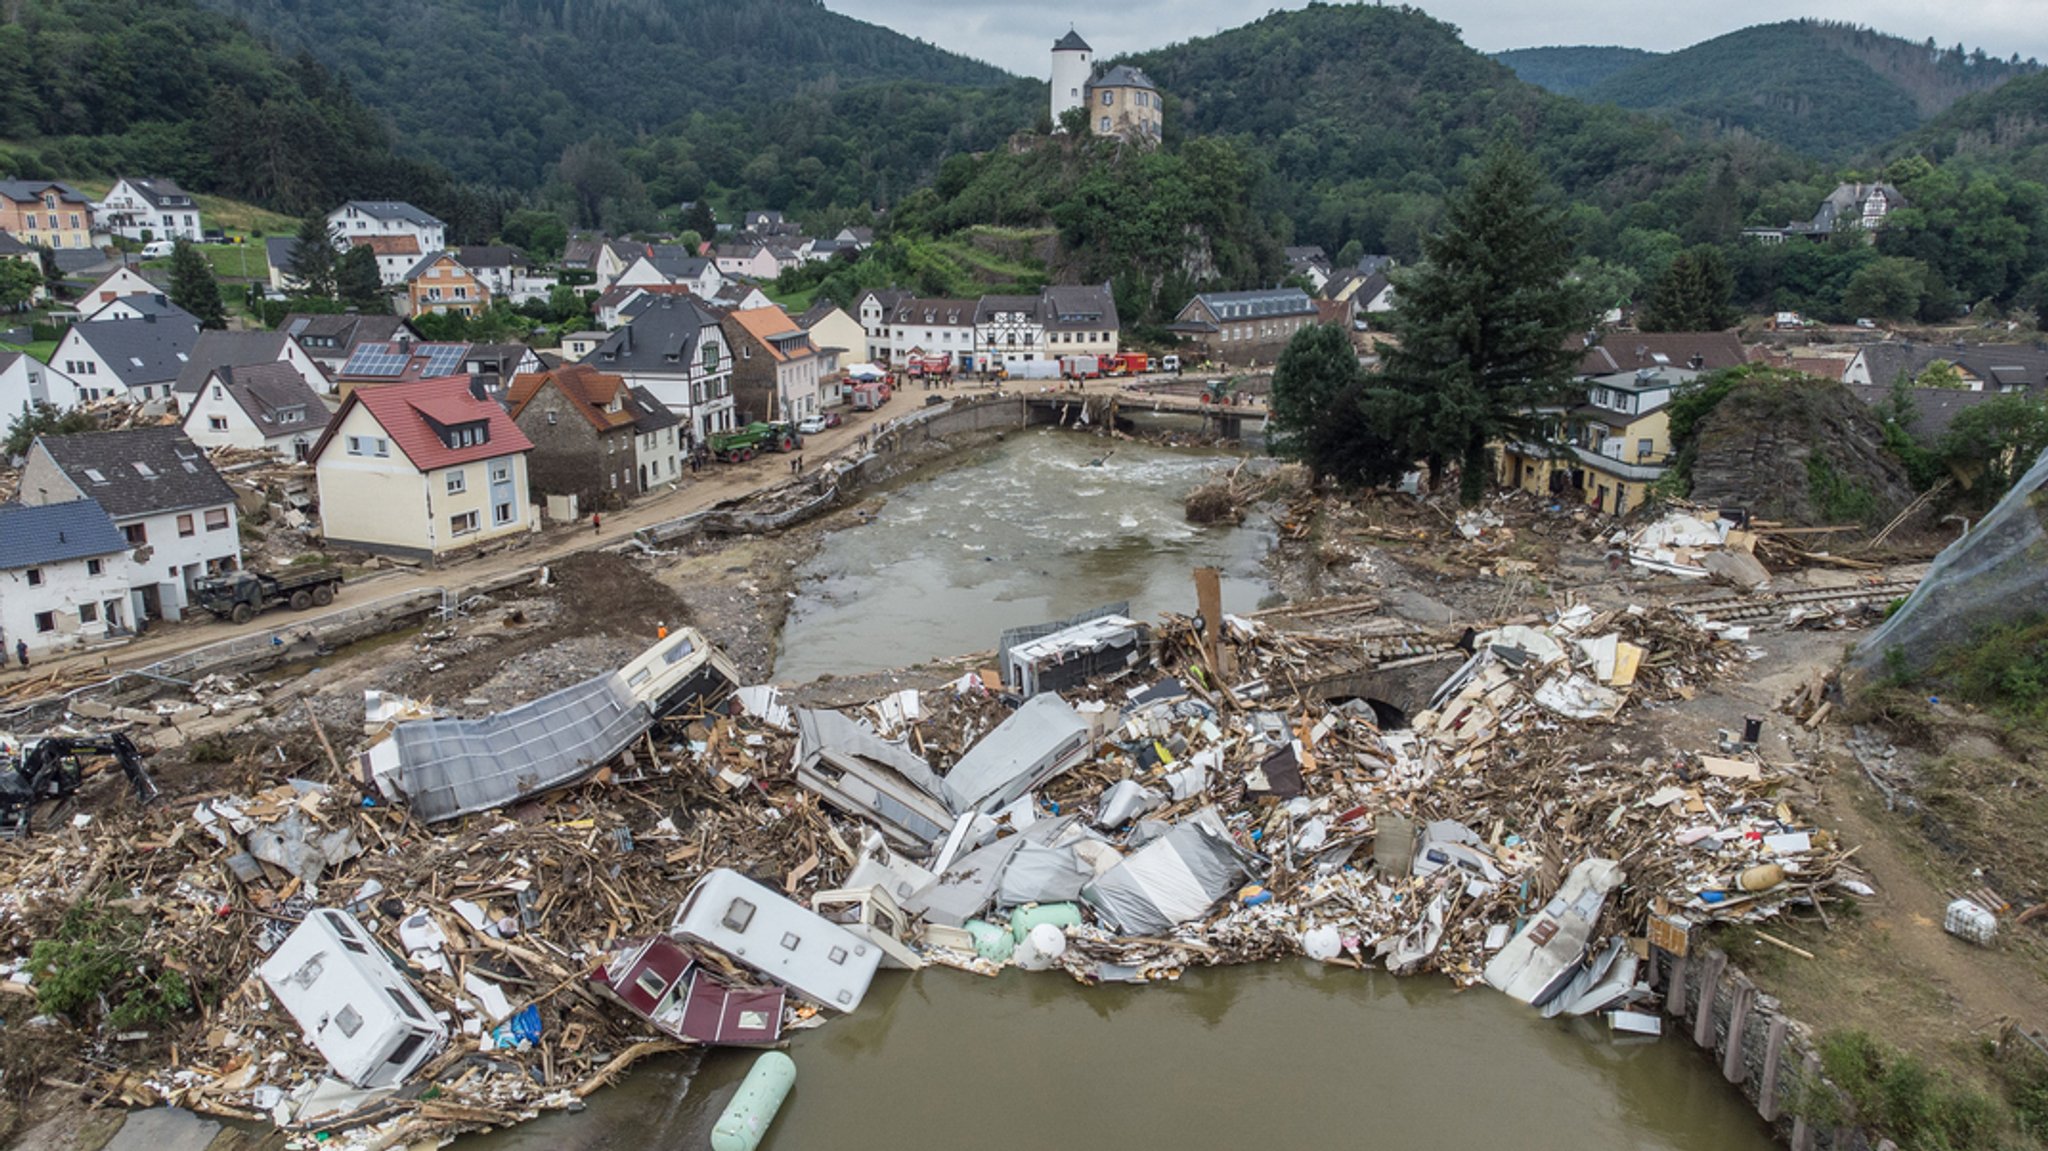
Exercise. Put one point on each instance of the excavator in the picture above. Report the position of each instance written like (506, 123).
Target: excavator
(53, 767)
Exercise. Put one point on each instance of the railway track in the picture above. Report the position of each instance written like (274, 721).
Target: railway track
(1767, 605)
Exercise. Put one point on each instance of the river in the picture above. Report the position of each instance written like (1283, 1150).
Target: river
(1278, 1055)
(1038, 527)
(1282, 1055)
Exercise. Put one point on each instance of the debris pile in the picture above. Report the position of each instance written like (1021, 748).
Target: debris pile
(734, 867)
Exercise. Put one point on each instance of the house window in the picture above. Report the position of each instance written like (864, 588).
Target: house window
(551, 417)
(186, 525)
(1105, 123)
(710, 357)
(46, 621)
(137, 534)
(94, 567)
(458, 482)
(368, 446)
(463, 524)
(88, 613)
(501, 473)
(216, 519)
(1106, 98)
(501, 513)
(35, 577)
(1644, 448)
(217, 423)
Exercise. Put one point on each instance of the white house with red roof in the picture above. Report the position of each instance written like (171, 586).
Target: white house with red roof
(422, 469)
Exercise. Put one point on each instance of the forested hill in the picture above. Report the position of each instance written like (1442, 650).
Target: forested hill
(99, 87)
(498, 89)
(2003, 129)
(1568, 71)
(1365, 114)
(1826, 89)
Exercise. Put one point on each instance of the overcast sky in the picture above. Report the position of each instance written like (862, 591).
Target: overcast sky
(1018, 37)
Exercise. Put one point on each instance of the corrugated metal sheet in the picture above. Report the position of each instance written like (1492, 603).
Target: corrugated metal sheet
(451, 767)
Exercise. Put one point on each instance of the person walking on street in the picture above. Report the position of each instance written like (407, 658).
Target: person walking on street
(21, 652)
(596, 523)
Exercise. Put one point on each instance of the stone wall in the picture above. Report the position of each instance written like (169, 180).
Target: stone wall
(1767, 1055)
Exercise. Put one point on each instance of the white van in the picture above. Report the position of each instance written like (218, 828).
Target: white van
(158, 249)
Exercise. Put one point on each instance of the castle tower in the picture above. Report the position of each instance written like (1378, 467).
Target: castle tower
(1072, 60)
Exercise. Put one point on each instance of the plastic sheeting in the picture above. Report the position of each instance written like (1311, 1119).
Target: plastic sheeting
(1040, 874)
(1992, 575)
(1175, 879)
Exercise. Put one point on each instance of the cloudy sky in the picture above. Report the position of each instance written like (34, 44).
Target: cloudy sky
(1018, 36)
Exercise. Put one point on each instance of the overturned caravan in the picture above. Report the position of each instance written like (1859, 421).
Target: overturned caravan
(445, 768)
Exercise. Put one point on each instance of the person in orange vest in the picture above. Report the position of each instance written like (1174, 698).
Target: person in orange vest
(661, 631)
(596, 523)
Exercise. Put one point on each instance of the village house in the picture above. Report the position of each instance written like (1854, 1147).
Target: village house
(755, 261)
(666, 265)
(136, 359)
(612, 258)
(396, 255)
(177, 515)
(13, 249)
(266, 406)
(835, 332)
(278, 253)
(1849, 206)
(375, 363)
(577, 345)
(1080, 320)
(1989, 368)
(1007, 330)
(675, 349)
(26, 381)
(246, 349)
(332, 338)
(777, 374)
(505, 271)
(492, 366)
(1310, 262)
(122, 281)
(422, 469)
(441, 284)
(1610, 352)
(1608, 451)
(931, 327)
(594, 437)
(873, 309)
(385, 218)
(149, 208)
(1237, 326)
(137, 307)
(62, 576)
(46, 213)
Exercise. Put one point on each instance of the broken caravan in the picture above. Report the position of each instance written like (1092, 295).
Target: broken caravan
(354, 1006)
(779, 938)
(445, 768)
(656, 979)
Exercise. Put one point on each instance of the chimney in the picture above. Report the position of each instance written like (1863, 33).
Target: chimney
(405, 345)
(149, 318)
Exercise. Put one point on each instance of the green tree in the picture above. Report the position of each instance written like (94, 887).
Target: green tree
(1317, 417)
(1887, 288)
(193, 287)
(358, 282)
(19, 281)
(1482, 330)
(699, 217)
(539, 234)
(1349, 255)
(1940, 374)
(1692, 295)
(1990, 446)
(43, 418)
(313, 261)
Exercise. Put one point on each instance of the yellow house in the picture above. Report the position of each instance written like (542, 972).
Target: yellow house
(46, 213)
(1124, 102)
(421, 469)
(1606, 452)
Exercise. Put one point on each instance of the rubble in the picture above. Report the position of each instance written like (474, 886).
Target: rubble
(1191, 804)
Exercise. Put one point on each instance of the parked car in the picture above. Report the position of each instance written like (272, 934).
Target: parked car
(812, 425)
(832, 419)
(213, 236)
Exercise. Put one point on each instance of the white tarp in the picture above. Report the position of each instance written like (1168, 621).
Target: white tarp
(1174, 879)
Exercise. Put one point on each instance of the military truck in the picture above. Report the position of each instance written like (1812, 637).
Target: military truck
(241, 595)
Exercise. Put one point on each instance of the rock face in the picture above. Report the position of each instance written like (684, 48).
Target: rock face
(1806, 453)
(1992, 575)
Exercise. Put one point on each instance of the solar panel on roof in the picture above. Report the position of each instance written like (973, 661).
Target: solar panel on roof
(441, 360)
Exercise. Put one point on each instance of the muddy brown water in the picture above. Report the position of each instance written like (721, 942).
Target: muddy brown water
(1038, 527)
(1278, 1055)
